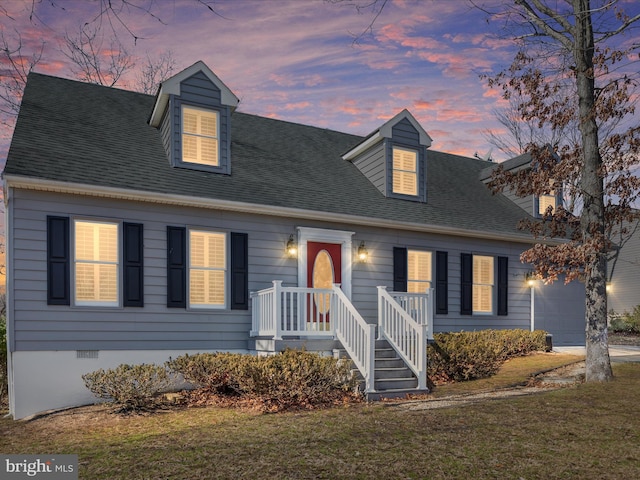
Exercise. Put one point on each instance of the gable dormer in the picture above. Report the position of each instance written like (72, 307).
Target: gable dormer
(394, 158)
(534, 205)
(193, 113)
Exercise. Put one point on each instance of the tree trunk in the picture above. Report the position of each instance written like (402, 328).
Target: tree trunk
(598, 363)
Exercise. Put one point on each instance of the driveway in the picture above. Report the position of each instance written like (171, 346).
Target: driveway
(617, 353)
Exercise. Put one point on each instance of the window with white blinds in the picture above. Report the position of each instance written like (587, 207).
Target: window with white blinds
(418, 271)
(405, 171)
(207, 269)
(200, 135)
(483, 282)
(96, 263)
(546, 201)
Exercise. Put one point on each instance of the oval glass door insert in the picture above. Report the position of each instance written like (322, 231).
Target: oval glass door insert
(322, 278)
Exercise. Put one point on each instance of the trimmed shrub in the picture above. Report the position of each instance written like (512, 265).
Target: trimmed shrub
(4, 382)
(130, 387)
(215, 372)
(627, 323)
(295, 377)
(461, 356)
(290, 379)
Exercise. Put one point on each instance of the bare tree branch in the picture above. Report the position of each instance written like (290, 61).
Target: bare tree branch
(92, 62)
(154, 72)
(13, 79)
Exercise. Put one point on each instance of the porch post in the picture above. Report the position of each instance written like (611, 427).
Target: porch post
(422, 362)
(277, 308)
(430, 314)
(370, 381)
(381, 312)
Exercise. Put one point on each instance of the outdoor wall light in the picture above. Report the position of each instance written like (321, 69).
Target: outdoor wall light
(609, 286)
(530, 278)
(292, 248)
(363, 253)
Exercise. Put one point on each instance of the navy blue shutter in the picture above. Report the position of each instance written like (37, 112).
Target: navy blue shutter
(442, 282)
(503, 279)
(400, 275)
(466, 284)
(58, 261)
(239, 271)
(133, 265)
(176, 267)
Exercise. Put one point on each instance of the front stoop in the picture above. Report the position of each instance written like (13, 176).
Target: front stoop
(392, 377)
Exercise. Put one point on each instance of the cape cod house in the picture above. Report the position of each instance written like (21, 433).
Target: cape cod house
(144, 227)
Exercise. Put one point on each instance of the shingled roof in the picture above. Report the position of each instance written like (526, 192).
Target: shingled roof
(83, 134)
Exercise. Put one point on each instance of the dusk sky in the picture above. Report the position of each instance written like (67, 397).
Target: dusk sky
(296, 60)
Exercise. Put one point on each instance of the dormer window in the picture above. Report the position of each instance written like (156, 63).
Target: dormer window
(405, 171)
(546, 201)
(193, 114)
(200, 136)
(394, 158)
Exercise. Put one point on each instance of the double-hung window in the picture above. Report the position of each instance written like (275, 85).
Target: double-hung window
(207, 269)
(418, 271)
(405, 171)
(546, 201)
(96, 263)
(483, 284)
(200, 136)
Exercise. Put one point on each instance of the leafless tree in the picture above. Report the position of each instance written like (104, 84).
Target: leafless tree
(567, 55)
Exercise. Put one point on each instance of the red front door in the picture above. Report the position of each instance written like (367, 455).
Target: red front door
(324, 267)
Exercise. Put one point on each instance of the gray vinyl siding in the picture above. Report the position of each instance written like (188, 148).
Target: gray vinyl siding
(405, 133)
(526, 203)
(624, 293)
(165, 133)
(373, 166)
(38, 326)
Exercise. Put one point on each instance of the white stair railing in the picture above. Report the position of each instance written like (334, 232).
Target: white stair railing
(419, 306)
(407, 336)
(355, 334)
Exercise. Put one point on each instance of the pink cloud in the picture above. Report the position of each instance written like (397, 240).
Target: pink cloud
(436, 105)
(297, 106)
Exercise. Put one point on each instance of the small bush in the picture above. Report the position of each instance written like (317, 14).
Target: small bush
(215, 372)
(290, 379)
(4, 383)
(465, 356)
(627, 323)
(130, 387)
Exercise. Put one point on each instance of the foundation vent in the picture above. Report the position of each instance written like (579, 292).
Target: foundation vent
(87, 353)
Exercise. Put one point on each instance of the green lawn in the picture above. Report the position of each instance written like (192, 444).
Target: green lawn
(591, 431)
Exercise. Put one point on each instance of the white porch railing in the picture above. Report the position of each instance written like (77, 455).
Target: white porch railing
(279, 311)
(286, 311)
(406, 333)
